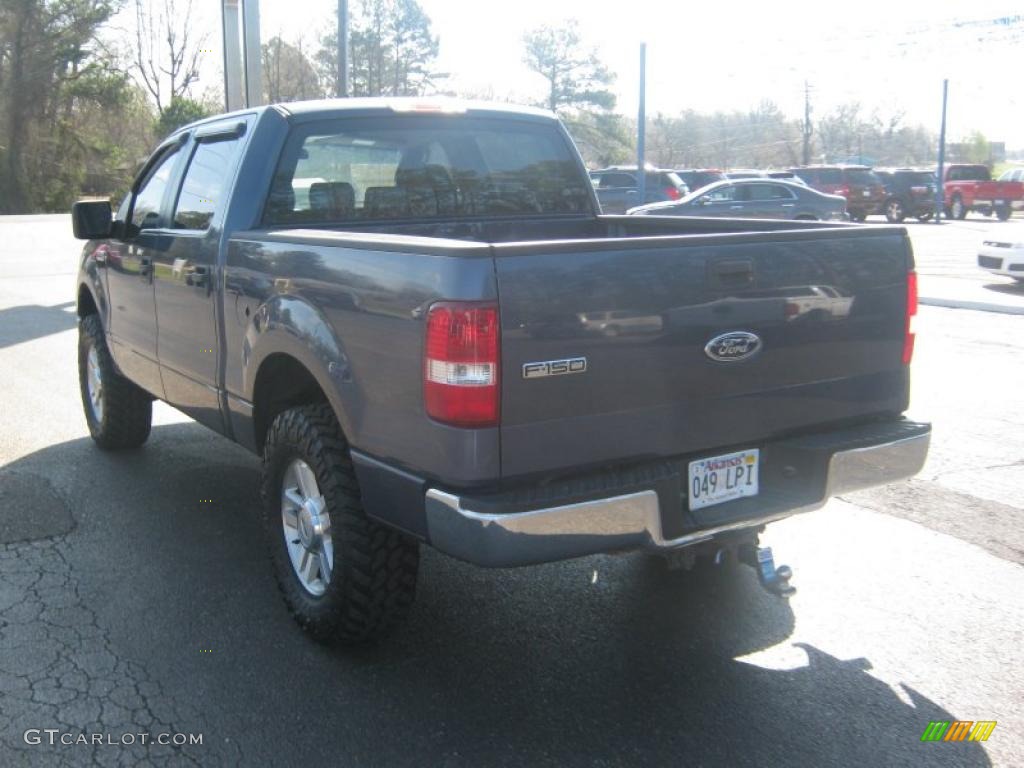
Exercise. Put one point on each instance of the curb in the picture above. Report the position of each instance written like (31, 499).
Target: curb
(980, 306)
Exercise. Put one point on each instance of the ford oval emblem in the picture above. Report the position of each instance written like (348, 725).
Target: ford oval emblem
(733, 346)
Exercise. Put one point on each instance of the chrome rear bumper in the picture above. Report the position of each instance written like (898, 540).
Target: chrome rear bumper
(634, 520)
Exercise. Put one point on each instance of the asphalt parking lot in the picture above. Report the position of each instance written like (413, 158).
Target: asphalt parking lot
(135, 596)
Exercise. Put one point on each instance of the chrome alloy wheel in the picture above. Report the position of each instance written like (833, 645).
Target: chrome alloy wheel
(307, 528)
(94, 384)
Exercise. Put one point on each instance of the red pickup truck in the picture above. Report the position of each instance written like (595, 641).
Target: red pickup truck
(970, 188)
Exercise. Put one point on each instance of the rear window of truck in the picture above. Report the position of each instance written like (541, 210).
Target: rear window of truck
(378, 169)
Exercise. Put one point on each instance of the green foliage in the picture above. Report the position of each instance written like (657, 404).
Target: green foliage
(181, 111)
(576, 78)
(57, 94)
(392, 51)
(977, 148)
(288, 74)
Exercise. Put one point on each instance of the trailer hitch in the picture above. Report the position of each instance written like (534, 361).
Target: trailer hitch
(774, 580)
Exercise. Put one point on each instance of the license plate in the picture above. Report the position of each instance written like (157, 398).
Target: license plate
(1000, 202)
(718, 479)
(866, 193)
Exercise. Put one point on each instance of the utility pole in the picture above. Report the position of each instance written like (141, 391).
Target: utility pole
(808, 128)
(940, 195)
(641, 129)
(342, 49)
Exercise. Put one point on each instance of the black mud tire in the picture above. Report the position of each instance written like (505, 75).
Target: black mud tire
(374, 581)
(923, 217)
(127, 410)
(1004, 213)
(957, 209)
(858, 216)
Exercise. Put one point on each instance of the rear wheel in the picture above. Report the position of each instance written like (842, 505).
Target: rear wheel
(119, 413)
(924, 217)
(858, 215)
(1004, 213)
(894, 210)
(957, 209)
(344, 577)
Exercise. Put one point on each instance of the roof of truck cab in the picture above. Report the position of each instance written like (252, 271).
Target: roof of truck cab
(374, 107)
(408, 106)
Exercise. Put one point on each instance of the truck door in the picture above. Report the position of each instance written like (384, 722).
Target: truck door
(187, 275)
(143, 217)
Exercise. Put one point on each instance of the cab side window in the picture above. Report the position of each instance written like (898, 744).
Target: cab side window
(146, 210)
(205, 183)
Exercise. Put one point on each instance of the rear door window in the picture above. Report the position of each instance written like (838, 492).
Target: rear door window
(612, 180)
(768, 192)
(205, 183)
(830, 176)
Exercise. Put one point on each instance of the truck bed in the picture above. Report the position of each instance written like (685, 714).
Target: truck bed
(638, 298)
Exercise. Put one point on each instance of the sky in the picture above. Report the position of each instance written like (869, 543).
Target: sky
(886, 54)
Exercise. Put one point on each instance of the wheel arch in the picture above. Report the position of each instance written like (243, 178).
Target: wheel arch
(295, 358)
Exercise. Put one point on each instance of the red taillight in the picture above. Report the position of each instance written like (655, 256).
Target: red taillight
(460, 372)
(908, 339)
(844, 191)
(672, 193)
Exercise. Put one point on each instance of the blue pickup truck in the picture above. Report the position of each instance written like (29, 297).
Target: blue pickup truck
(417, 317)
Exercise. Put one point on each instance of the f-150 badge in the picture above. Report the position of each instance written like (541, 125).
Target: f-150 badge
(733, 346)
(554, 368)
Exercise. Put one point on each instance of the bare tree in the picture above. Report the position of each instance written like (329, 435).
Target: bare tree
(167, 49)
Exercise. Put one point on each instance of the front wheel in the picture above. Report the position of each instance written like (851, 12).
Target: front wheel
(119, 413)
(344, 577)
(957, 209)
(1004, 213)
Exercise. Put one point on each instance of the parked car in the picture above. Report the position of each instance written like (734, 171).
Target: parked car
(753, 199)
(863, 190)
(1012, 174)
(908, 193)
(617, 188)
(1002, 252)
(969, 187)
(695, 178)
(421, 350)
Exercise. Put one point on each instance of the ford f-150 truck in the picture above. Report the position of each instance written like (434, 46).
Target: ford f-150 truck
(970, 188)
(405, 309)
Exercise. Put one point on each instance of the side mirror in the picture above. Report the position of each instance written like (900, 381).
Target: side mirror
(91, 219)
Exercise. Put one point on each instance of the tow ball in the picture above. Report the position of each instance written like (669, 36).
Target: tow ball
(772, 579)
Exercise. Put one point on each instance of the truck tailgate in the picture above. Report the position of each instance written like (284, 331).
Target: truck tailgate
(827, 306)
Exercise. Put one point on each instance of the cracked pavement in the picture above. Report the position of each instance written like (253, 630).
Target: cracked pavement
(130, 604)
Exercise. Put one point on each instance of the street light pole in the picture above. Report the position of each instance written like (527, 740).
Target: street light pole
(641, 126)
(342, 49)
(940, 194)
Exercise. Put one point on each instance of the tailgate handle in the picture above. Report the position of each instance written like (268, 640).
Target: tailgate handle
(736, 272)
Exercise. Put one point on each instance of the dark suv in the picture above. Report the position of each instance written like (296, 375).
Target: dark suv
(617, 187)
(695, 178)
(908, 193)
(863, 190)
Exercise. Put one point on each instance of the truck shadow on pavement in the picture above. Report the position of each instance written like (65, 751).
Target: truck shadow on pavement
(608, 660)
(33, 321)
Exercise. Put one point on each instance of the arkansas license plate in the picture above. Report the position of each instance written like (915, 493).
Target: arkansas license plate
(999, 202)
(723, 478)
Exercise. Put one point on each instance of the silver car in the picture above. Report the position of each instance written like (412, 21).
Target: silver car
(753, 199)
